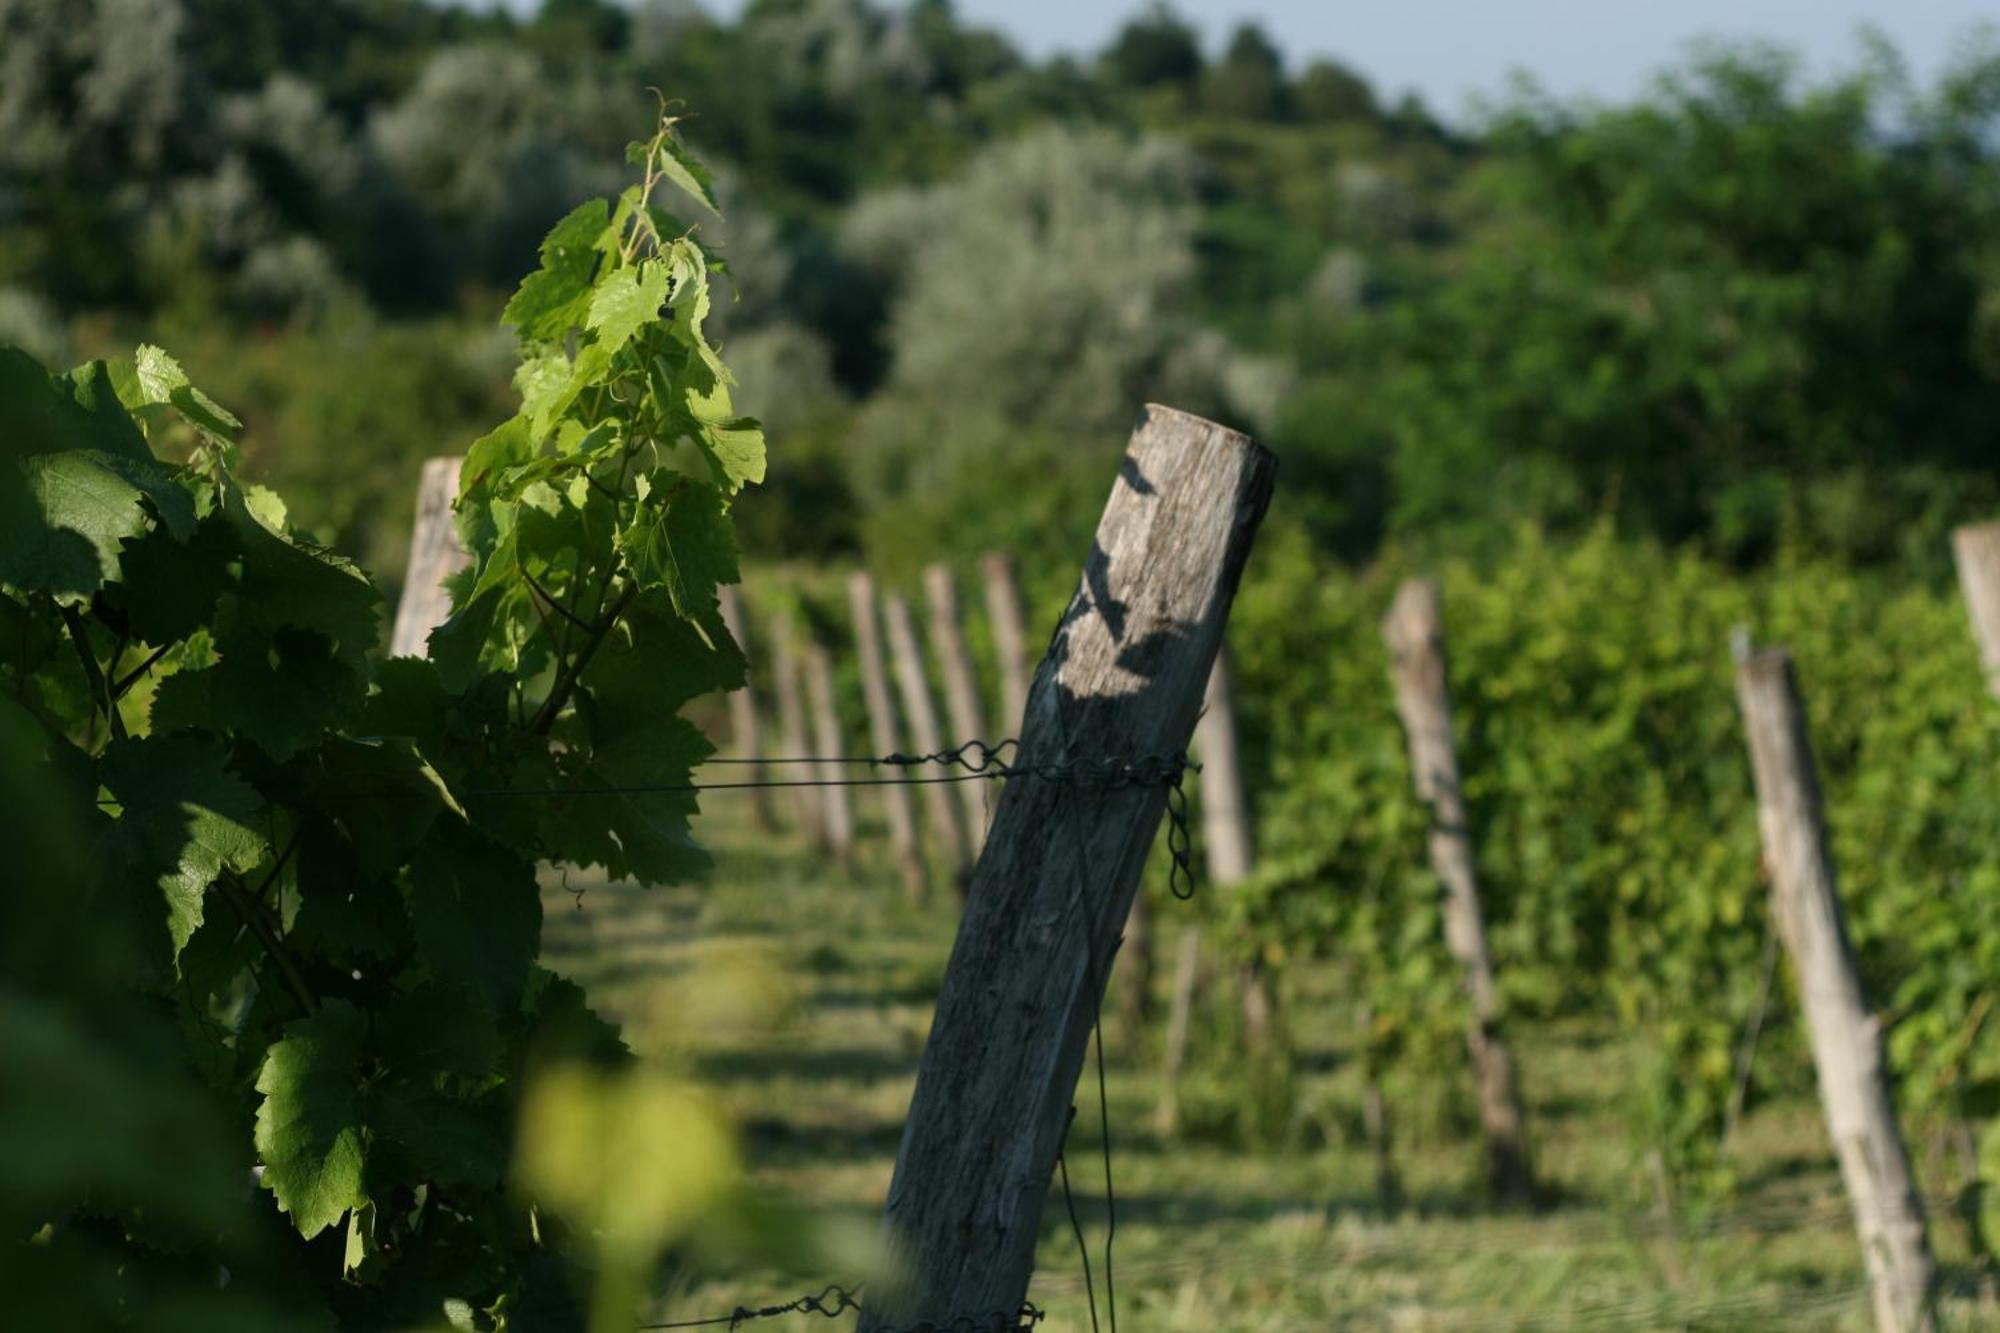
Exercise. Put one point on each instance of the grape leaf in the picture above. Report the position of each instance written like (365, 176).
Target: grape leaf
(309, 1132)
(681, 540)
(554, 298)
(626, 301)
(477, 912)
(184, 817)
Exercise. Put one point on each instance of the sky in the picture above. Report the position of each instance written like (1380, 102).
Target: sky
(1451, 51)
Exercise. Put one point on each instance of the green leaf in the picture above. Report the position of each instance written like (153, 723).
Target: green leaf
(681, 540)
(422, 1135)
(187, 817)
(291, 644)
(553, 299)
(154, 379)
(735, 449)
(42, 413)
(309, 1132)
(477, 912)
(64, 513)
(436, 1030)
(626, 301)
(381, 794)
(687, 171)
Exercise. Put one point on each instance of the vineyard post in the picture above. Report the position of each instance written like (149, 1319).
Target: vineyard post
(1976, 550)
(961, 689)
(835, 809)
(807, 804)
(1186, 968)
(435, 555)
(899, 811)
(1122, 681)
(1227, 839)
(1414, 631)
(921, 713)
(1226, 831)
(745, 727)
(1846, 1039)
(1010, 637)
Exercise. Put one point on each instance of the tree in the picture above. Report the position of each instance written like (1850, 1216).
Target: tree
(1156, 48)
(1249, 81)
(1329, 91)
(1744, 311)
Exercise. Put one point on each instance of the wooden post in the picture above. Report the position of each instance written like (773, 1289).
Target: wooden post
(746, 732)
(1122, 681)
(1415, 633)
(1226, 833)
(921, 713)
(1846, 1039)
(435, 555)
(883, 733)
(1976, 550)
(961, 692)
(792, 736)
(1187, 967)
(1010, 638)
(836, 810)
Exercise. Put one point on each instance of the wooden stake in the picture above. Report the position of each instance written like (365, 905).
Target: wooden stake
(1010, 638)
(1846, 1039)
(1122, 681)
(1187, 965)
(1229, 837)
(1976, 550)
(883, 732)
(746, 731)
(961, 692)
(835, 809)
(921, 713)
(1415, 633)
(435, 555)
(807, 805)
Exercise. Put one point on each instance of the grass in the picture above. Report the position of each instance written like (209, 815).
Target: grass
(801, 995)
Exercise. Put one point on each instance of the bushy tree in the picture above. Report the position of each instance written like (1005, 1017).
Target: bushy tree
(1157, 47)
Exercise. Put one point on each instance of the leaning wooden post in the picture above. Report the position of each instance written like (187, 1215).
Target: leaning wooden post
(745, 728)
(1010, 637)
(1976, 550)
(1846, 1039)
(1415, 634)
(897, 808)
(1122, 682)
(921, 713)
(435, 555)
(792, 734)
(836, 810)
(961, 691)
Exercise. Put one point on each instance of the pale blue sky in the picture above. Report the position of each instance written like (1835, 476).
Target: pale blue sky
(1451, 50)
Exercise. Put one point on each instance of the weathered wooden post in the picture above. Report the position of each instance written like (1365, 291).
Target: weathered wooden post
(898, 810)
(1976, 550)
(1846, 1039)
(921, 713)
(1414, 630)
(1226, 831)
(1010, 638)
(786, 671)
(835, 809)
(961, 691)
(1230, 856)
(1187, 966)
(1121, 683)
(746, 731)
(435, 555)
